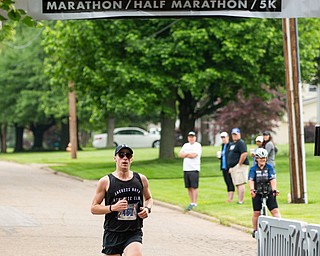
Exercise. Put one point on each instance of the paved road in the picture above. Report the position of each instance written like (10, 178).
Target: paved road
(42, 213)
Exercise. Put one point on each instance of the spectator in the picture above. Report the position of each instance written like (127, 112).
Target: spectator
(238, 163)
(191, 154)
(269, 146)
(224, 166)
(259, 141)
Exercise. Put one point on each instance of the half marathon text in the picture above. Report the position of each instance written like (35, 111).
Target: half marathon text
(74, 6)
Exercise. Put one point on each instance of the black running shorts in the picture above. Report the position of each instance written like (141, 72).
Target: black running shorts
(191, 179)
(271, 202)
(116, 242)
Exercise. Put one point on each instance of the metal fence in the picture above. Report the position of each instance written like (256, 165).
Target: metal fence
(282, 237)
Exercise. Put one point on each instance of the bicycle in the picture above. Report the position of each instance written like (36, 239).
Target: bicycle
(264, 192)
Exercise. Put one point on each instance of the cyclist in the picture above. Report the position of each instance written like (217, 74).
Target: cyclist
(262, 183)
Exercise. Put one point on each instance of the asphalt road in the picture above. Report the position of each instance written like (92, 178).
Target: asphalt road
(43, 213)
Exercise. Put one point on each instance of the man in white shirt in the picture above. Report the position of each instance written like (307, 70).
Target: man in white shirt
(191, 154)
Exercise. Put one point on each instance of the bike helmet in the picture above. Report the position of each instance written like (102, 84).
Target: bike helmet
(261, 153)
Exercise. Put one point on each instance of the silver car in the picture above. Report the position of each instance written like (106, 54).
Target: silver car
(133, 136)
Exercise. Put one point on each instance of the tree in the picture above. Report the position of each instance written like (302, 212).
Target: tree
(23, 83)
(12, 15)
(151, 65)
(251, 114)
(208, 61)
(101, 73)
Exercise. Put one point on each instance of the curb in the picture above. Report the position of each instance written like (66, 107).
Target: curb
(202, 216)
(156, 202)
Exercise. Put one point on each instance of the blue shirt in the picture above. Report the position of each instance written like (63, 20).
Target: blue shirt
(224, 158)
(271, 172)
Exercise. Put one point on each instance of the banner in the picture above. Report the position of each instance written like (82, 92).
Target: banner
(91, 9)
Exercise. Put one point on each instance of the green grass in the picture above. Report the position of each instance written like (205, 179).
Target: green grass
(166, 180)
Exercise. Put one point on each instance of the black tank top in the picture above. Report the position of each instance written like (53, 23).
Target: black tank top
(132, 190)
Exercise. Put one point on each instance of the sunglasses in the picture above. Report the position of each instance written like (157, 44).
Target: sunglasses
(123, 154)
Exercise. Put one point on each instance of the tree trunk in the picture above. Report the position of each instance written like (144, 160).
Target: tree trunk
(78, 136)
(186, 125)
(111, 122)
(205, 131)
(38, 132)
(3, 138)
(168, 119)
(64, 135)
(167, 140)
(73, 120)
(19, 139)
(186, 114)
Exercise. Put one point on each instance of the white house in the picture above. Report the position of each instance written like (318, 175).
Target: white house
(309, 112)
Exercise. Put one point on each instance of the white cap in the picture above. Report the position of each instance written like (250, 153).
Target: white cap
(224, 134)
(259, 138)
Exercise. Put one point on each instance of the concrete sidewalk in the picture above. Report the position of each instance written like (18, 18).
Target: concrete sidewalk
(42, 213)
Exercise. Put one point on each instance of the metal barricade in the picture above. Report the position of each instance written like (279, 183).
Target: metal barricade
(313, 240)
(282, 237)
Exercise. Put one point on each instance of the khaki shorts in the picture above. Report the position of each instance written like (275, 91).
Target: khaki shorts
(239, 174)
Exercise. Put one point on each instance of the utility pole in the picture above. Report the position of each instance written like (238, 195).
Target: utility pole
(294, 107)
(73, 120)
(318, 91)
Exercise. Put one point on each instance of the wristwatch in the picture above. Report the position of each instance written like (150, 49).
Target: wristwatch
(149, 209)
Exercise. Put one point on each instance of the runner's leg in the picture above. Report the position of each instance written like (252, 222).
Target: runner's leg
(133, 249)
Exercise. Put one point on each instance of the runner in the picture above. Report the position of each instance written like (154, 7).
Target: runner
(127, 202)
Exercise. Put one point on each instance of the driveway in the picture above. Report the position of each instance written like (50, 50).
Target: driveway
(43, 213)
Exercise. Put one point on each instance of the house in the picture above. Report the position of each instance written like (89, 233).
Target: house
(309, 112)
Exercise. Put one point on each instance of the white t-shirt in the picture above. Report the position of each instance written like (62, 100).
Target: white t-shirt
(192, 164)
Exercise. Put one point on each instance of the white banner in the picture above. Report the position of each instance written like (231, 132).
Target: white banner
(90, 9)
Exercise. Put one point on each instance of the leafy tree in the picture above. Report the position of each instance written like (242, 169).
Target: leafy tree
(143, 66)
(101, 72)
(208, 61)
(252, 114)
(23, 83)
(10, 14)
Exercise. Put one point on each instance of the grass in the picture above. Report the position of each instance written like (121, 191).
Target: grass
(166, 182)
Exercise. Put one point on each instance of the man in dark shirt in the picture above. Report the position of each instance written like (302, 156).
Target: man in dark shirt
(237, 158)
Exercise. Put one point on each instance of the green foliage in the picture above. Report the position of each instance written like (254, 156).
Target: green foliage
(22, 80)
(128, 69)
(134, 64)
(14, 15)
(309, 44)
(257, 114)
(101, 71)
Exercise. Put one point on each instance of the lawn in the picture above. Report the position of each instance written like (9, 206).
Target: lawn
(166, 183)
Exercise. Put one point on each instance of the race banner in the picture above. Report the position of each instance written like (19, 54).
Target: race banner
(91, 9)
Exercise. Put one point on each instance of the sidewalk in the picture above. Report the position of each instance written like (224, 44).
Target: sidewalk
(42, 213)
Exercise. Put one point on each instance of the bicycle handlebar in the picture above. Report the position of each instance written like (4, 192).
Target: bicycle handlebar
(266, 193)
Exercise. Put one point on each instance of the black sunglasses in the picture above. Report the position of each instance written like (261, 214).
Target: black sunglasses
(123, 154)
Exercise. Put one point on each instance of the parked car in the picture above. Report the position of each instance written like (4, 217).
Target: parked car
(133, 136)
